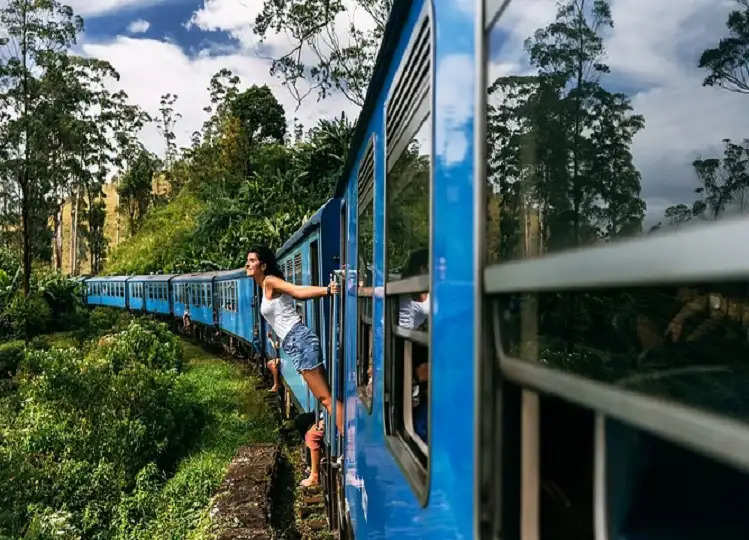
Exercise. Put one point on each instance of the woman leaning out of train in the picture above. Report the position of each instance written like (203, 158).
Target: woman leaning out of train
(299, 343)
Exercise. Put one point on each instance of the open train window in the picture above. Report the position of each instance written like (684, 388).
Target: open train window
(407, 261)
(315, 280)
(617, 291)
(298, 268)
(365, 268)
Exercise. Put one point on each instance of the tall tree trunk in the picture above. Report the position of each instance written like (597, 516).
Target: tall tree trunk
(57, 220)
(26, 225)
(74, 234)
(25, 202)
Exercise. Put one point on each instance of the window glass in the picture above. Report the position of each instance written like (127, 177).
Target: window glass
(605, 124)
(408, 183)
(298, 268)
(365, 270)
(407, 315)
(686, 343)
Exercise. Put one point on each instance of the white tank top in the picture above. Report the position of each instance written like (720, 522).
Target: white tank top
(280, 313)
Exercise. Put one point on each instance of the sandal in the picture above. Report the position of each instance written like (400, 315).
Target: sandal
(307, 482)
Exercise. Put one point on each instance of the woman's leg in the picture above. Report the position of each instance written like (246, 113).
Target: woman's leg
(273, 367)
(318, 385)
(313, 438)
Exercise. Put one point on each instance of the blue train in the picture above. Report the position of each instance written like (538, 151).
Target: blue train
(543, 329)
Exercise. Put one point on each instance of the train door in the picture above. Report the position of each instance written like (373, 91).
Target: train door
(333, 474)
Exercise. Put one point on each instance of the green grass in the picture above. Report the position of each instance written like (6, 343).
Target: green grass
(61, 340)
(237, 415)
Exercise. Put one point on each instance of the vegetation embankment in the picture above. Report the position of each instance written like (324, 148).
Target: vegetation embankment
(126, 436)
(230, 194)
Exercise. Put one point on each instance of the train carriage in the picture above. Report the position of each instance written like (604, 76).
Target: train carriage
(235, 299)
(151, 293)
(107, 291)
(194, 293)
(614, 321)
(309, 257)
(408, 309)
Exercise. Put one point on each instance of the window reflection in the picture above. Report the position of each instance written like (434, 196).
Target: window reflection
(687, 343)
(365, 250)
(613, 119)
(407, 239)
(408, 203)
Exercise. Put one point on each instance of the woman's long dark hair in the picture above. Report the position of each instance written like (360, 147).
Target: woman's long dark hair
(267, 257)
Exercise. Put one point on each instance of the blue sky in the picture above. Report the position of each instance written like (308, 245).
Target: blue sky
(164, 22)
(175, 46)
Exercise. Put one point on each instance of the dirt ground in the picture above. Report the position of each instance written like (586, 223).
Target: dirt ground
(260, 496)
(242, 506)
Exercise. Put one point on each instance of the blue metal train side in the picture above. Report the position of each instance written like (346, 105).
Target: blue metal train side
(234, 306)
(316, 244)
(157, 294)
(135, 301)
(380, 500)
(199, 296)
(107, 291)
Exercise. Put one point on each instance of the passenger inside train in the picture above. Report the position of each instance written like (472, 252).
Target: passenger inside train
(413, 314)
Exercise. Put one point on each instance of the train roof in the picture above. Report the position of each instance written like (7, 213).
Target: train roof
(312, 222)
(230, 274)
(108, 278)
(194, 276)
(393, 28)
(153, 277)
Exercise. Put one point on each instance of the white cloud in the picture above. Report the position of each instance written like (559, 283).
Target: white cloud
(237, 18)
(149, 68)
(454, 108)
(99, 7)
(138, 27)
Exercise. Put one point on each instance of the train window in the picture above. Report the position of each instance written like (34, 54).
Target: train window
(407, 261)
(582, 150)
(365, 268)
(298, 269)
(636, 347)
(289, 271)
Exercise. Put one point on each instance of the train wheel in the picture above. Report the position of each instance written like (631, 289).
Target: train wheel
(344, 523)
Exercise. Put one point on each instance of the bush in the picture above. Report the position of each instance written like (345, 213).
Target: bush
(28, 316)
(146, 342)
(85, 429)
(61, 293)
(11, 355)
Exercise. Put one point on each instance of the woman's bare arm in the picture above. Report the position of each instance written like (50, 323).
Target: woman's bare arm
(300, 292)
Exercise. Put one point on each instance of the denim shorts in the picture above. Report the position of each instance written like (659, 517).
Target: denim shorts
(302, 347)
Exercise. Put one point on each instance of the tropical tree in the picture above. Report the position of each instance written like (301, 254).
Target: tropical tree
(35, 31)
(728, 63)
(723, 181)
(334, 44)
(135, 187)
